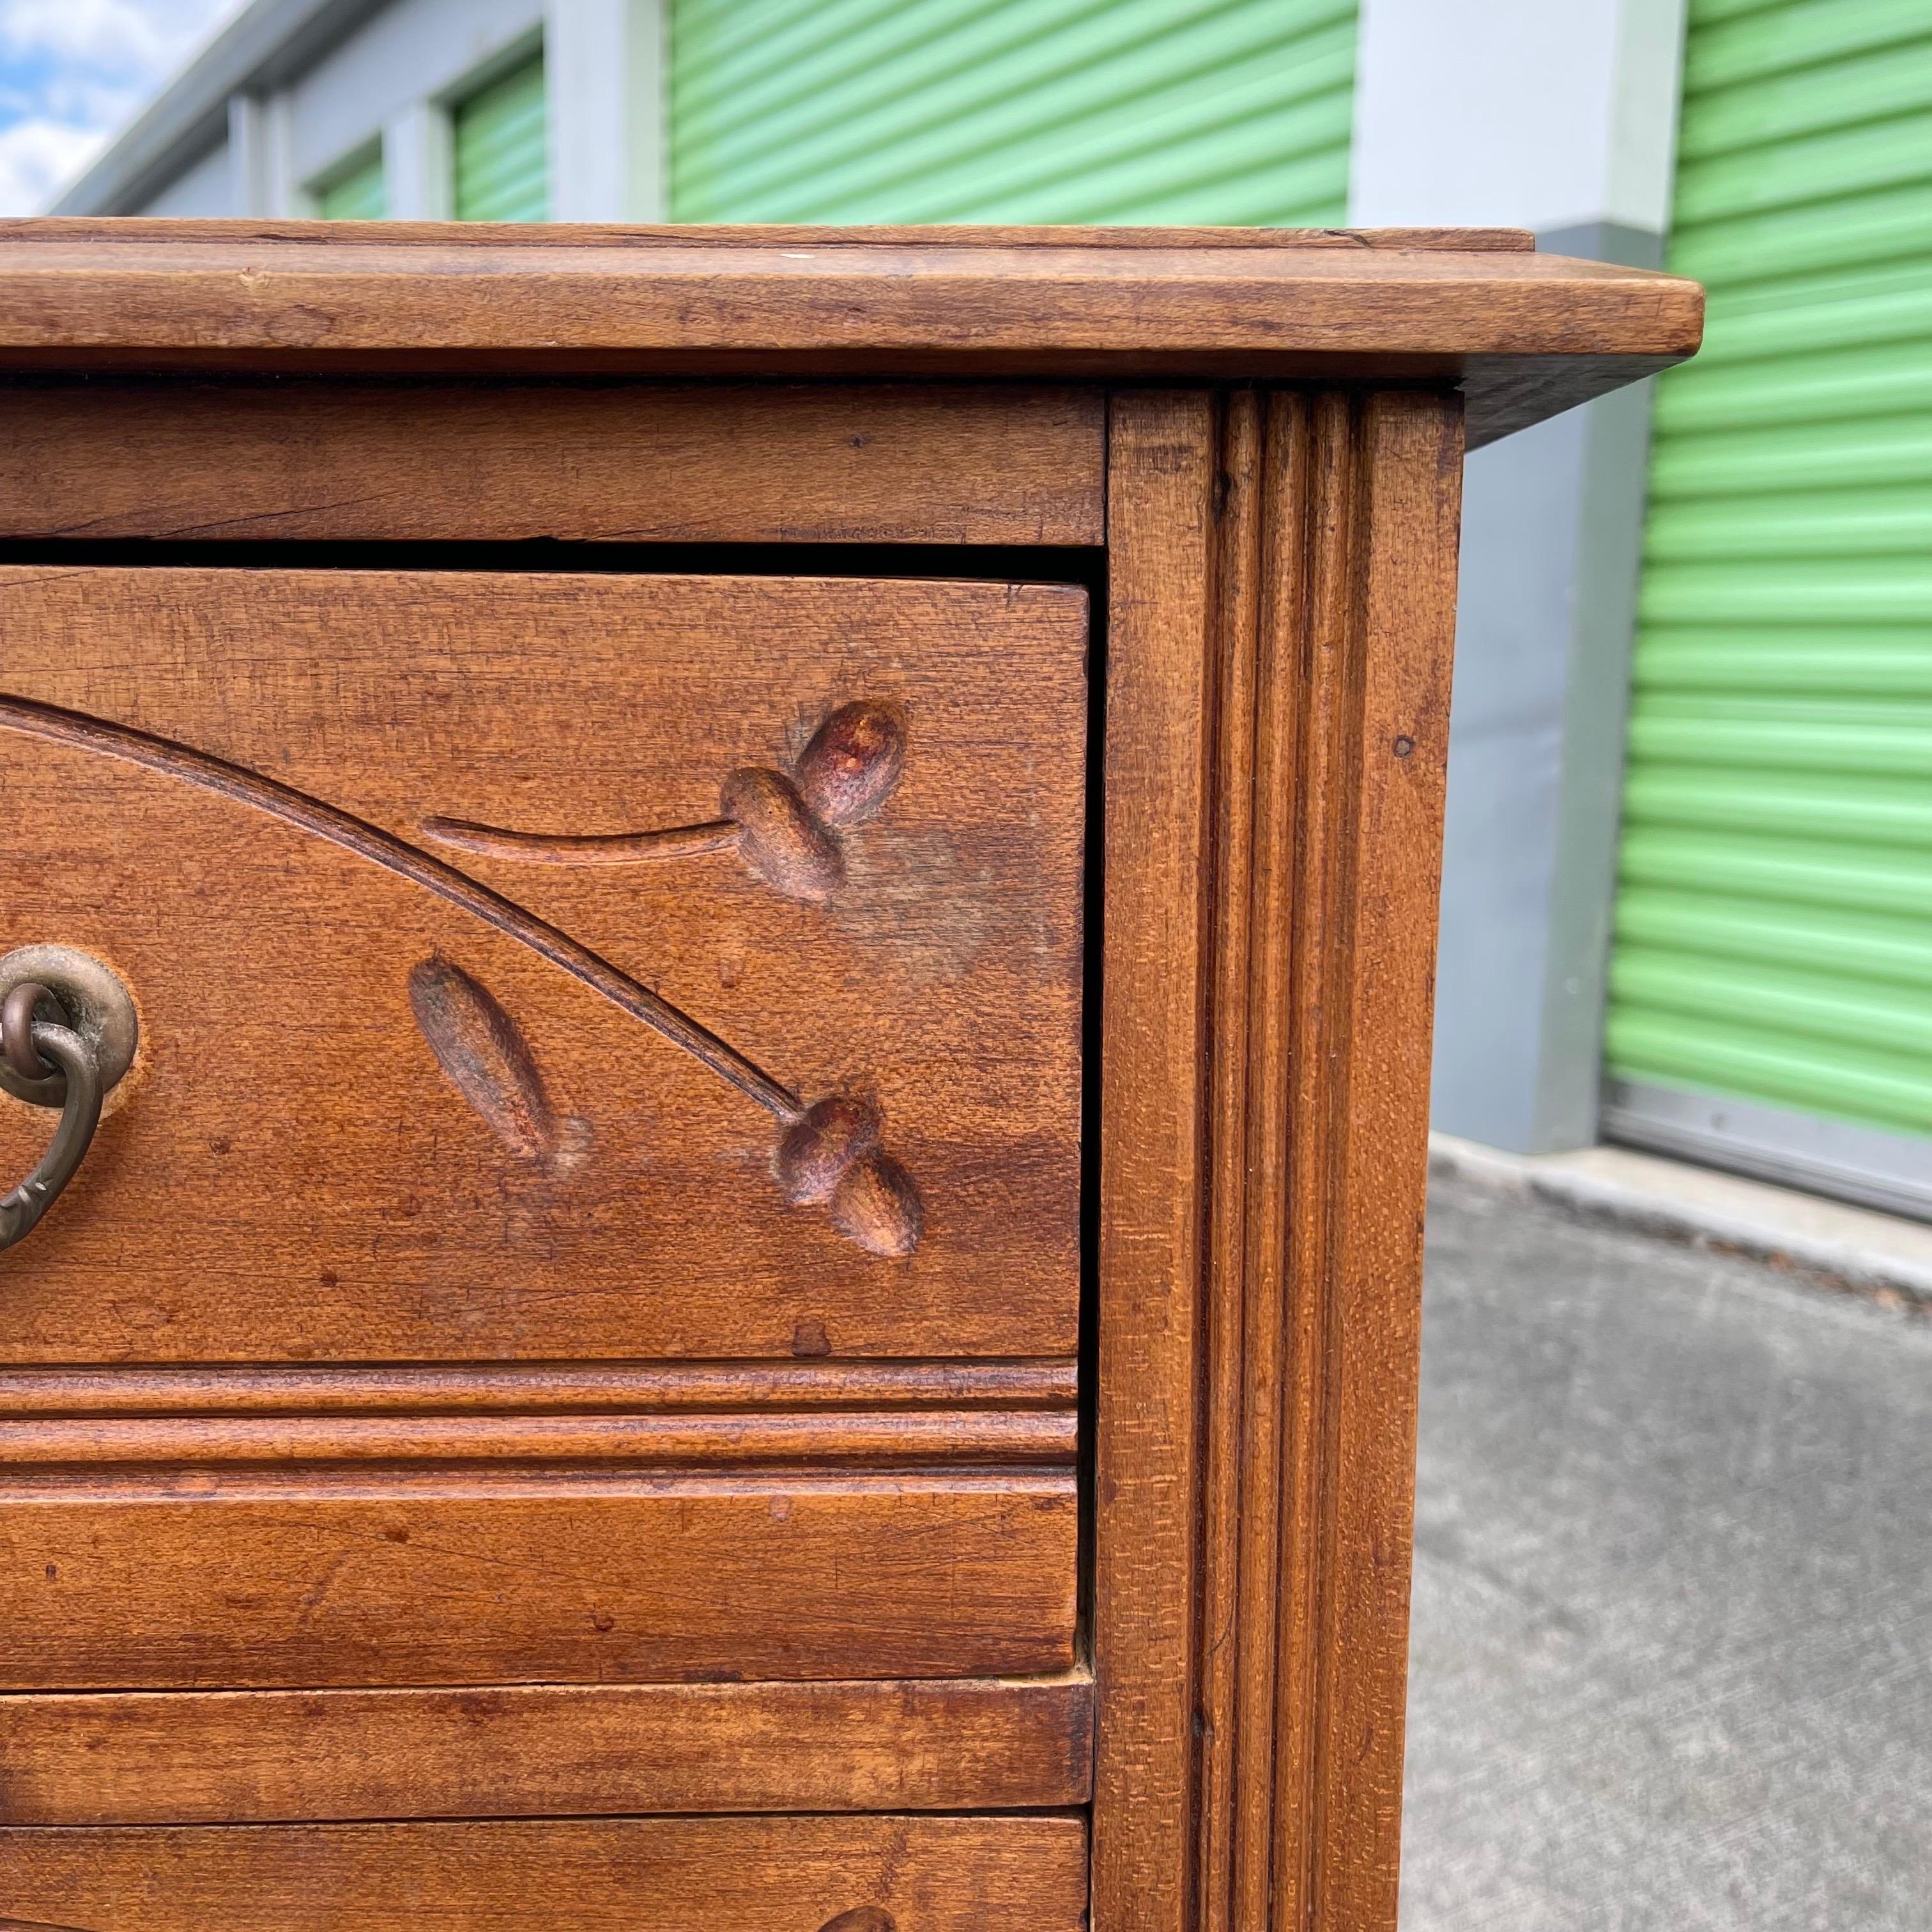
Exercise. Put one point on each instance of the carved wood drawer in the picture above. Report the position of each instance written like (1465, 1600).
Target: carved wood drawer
(676, 973)
(801, 1874)
(408, 1091)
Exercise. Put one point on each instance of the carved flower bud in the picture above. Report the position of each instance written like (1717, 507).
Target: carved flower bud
(831, 1152)
(853, 762)
(786, 844)
(876, 1206)
(817, 1152)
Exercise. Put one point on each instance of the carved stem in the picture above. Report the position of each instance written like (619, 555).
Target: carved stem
(788, 825)
(383, 848)
(592, 848)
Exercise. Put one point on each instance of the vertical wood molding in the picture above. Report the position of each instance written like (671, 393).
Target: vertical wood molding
(1409, 498)
(1162, 483)
(1263, 1144)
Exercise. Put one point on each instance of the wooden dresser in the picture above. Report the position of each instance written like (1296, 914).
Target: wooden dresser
(751, 915)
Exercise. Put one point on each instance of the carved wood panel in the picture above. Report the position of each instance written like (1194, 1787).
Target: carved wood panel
(535, 966)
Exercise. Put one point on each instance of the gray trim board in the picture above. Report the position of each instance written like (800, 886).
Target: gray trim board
(1552, 554)
(1877, 1169)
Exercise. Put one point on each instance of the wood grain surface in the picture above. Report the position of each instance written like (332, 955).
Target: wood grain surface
(238, 1578)
(890, 1874)
(215, 1756)
(388, 1109)
(1282, 620)
(1003, 305)
(1361, 1172)
(484, 462)
(581, 1388)
(1162, 457)
(949, 1437)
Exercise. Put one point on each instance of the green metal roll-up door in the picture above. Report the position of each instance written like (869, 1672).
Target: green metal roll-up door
(1771, 980)
(1012, 110)
(501, 150)
(357, 193)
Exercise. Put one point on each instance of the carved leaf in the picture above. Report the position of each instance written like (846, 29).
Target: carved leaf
(486, 1058)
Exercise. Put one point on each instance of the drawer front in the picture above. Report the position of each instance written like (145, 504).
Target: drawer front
(888, 1874)
(240, 1579)
(490, 933)
(190, 1757)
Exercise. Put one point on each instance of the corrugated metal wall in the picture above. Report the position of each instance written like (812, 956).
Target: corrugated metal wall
(1012, 110)
(1774, 928)
(501, 150)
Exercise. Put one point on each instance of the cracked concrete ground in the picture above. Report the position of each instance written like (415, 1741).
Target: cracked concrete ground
(1672, 1652)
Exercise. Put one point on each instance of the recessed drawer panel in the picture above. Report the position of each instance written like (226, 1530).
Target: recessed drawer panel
(532, 966)
(889, 1874)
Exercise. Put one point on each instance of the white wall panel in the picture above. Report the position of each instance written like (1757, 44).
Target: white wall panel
(1536, 114)
(203, 190)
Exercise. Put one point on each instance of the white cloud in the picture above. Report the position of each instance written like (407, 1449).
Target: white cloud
(115, 36)
(38, 157)
(73, 72)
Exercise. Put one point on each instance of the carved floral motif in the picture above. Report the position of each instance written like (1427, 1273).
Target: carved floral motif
(843, 777)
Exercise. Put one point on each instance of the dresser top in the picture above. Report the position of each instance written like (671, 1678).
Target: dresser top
(1523, 335)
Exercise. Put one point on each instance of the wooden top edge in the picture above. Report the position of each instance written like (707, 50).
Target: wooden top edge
(223, 288)
(1524, 335)
(571, 235)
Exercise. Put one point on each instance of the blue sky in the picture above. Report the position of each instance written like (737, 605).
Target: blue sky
(73, 72)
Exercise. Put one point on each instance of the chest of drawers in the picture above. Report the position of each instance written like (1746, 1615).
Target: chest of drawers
(757, 1265)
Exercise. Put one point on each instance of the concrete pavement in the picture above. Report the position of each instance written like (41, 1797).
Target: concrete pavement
(1671, 1660)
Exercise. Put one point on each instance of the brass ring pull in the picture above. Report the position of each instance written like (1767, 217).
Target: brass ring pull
(66, 1035)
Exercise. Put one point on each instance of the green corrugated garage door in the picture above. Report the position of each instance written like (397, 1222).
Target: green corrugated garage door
(502, 149)
(357, 193)
(1012, 110)
(1771, 985)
